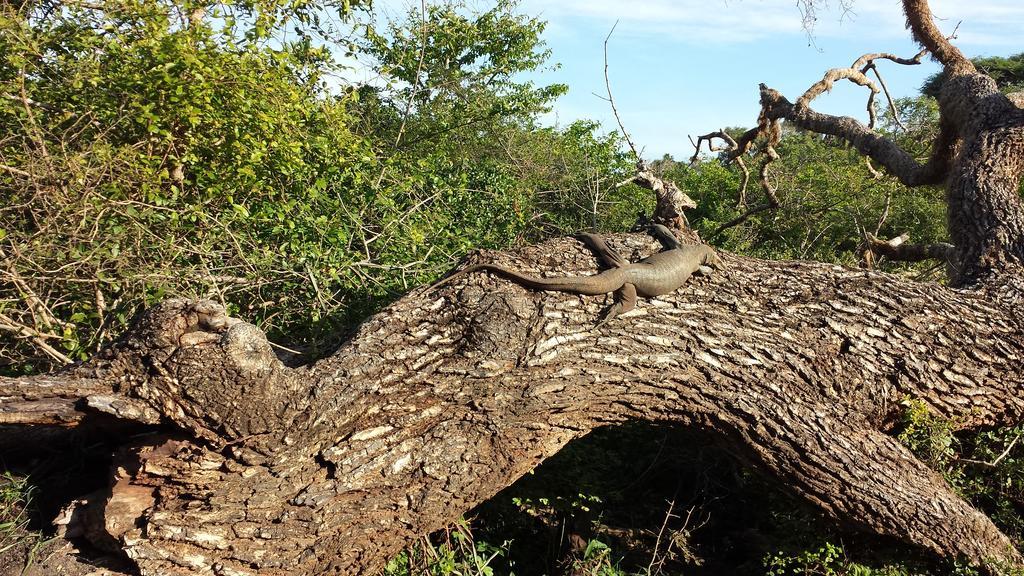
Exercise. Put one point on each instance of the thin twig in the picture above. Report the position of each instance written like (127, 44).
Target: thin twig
(39, 338)
(15, 171)
(611, 99)
(999, 458)
(285, 348)
(888, 96)
(885, 212)
(661, 532)
(742, 218)
(872, 170)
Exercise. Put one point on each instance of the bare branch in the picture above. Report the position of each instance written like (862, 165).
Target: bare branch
(671, 201)
(28, 101)
(742, 218)
(742, 200)
(809, 15)
(885, 211)
(768, 127)
(731, 146)
(869, 59)
(38, 338)
(868, 142)
(922, 26)
(885, 90)
(857, 73)
(998, 459)
(15, 171)
(898, 249)
(709, 138)
(661, 532)
(611, 99)
(768, 187)
(871, 169)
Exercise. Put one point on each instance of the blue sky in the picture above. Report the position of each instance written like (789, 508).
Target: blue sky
(687, 67)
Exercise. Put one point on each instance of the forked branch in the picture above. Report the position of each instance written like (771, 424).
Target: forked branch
(775, 108)
(730, 147)
(899, 250)
(922, 26)
(866, 140)
(770, 130)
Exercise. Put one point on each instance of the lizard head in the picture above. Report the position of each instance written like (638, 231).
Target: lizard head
(664, 235)
(711, 259)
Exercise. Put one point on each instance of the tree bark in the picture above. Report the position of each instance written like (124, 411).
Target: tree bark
(448, 396)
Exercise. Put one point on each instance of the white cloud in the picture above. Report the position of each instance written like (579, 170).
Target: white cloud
(691, 21)
(984, 22)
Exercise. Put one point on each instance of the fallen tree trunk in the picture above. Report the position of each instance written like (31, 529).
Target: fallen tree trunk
(448, 396)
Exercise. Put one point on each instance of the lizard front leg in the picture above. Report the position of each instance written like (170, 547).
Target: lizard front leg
(625, 300)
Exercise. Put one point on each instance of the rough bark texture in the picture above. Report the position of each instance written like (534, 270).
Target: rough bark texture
(449, 395)
(672, 203)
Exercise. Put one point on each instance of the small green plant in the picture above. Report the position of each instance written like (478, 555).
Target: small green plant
(579, 502)
(983, 467)
(455, 552)
(930, 437)
(831, 560)
(15, 537)
(15, 494)
(826, 560)
(597, 561)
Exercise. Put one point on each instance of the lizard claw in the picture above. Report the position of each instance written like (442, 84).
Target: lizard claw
(609, 314)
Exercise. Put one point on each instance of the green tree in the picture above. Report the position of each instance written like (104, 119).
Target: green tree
(169, 147)
(166, 147)
(1007, 71)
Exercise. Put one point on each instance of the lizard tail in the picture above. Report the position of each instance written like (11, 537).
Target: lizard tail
(602, 283)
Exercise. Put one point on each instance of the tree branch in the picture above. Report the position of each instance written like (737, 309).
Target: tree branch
(768, 128)
(868, 142)
(46, 400)
(450, 394)
(611, 99)
(37, 337)
(742, 218)
(888, 97)
(671, 202)
(730, 147)
(921, 23)
(897, 249)
(15, 171)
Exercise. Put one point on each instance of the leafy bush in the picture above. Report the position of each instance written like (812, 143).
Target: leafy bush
(153, 148)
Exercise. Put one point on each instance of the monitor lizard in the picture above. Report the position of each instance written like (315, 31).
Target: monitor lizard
(655, 275)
